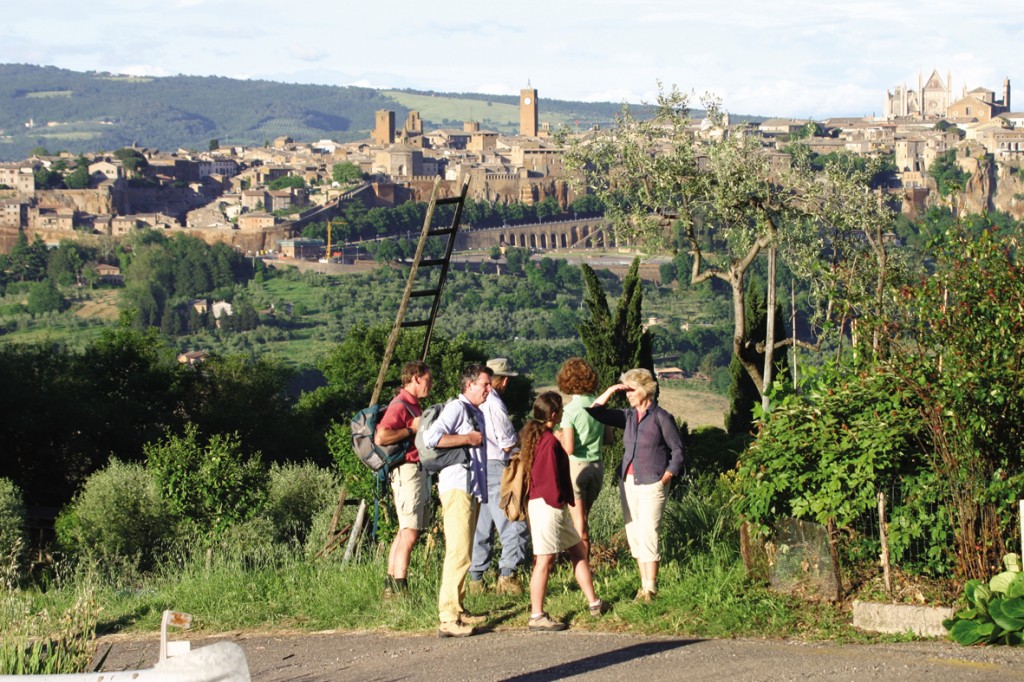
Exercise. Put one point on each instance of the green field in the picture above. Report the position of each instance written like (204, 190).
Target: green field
(495, 115)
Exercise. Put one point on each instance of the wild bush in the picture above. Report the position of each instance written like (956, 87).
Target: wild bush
(963, 362)
(119, 516)
(12, 523)
(296, 493)
(211, 485)
(823, 454)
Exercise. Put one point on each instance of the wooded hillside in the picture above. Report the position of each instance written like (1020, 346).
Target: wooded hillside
(86, 112)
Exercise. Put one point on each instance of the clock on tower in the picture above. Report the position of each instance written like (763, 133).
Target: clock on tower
(528, 112)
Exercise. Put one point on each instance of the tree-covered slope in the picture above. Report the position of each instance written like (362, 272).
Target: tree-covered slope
(88, 112)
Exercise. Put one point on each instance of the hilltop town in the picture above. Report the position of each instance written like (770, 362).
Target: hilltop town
(236, 194)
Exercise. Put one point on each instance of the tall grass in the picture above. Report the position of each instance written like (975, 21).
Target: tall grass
(44, 641)
(246, 579)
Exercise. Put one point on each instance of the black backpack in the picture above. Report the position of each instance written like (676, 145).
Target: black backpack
(364, 427)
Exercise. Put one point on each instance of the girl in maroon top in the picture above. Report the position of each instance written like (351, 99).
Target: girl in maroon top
(551, 527)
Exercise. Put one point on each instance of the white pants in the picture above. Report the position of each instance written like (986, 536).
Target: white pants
(642, 507)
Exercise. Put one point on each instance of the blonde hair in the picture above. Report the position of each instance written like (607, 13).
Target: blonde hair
(640, 379)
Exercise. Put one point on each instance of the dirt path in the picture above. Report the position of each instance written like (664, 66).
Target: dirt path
(517, 655)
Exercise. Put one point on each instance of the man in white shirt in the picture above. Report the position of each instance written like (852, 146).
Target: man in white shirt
(462, 487)
(501, 443)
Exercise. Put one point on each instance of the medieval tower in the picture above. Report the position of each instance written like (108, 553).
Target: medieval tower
(528, 112)
(384, 131)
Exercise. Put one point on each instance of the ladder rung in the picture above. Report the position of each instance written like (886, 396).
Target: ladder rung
(440, 232)
(432, 262)
(415, 323)
(448, 200)
(425, 292)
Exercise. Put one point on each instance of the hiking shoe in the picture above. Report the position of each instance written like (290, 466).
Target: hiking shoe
(600, 608)
(394, 589)
(509, 584)
(455, 629)
(468, 618)
(476, 587)
(645, 596)
(544, 623)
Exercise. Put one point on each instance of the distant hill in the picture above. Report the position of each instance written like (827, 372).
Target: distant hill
(89, 112)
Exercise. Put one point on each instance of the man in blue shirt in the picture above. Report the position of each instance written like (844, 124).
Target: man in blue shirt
(462, 487)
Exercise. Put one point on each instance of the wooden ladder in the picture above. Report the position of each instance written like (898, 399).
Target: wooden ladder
(434, 292)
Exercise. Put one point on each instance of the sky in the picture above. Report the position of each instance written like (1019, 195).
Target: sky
(791, 58)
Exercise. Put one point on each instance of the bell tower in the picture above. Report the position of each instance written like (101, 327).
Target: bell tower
(528, 112)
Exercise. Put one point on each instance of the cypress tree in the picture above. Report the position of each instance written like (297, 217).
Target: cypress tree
(614, 345)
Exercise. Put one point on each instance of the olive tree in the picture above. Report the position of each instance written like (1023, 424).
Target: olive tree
(732, 199)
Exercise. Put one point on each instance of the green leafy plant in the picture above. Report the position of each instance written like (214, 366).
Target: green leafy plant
(213, 485)
(118, 516)
(995, 612)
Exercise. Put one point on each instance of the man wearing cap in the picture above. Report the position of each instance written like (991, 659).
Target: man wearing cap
(501, 443)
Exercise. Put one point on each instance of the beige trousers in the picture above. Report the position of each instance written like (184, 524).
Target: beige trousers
(459, 515)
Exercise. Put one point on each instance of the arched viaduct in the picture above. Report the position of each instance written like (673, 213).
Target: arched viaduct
(580, 233)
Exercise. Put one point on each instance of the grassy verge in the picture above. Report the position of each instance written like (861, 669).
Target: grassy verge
(706, 595)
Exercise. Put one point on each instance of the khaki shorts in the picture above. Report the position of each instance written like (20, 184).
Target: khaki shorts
(551, 529)
(409, 483)
(587, 479)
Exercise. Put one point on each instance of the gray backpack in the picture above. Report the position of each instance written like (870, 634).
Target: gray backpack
(434, 459)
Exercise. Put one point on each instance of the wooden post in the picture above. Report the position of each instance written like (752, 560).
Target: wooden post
(883, 532)
(357, 530)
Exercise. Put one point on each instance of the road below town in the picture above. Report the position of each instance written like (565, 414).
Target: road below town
(516, 655)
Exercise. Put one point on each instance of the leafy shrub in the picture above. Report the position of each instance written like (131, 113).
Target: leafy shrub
(211, 486)
(118, 515)
(295, 495)
(359, 481)
(964, 364)
(12, 523)
(823, 453)
(995, 612)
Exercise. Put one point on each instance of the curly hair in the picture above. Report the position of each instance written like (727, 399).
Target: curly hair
(577, 377)
(545, 406)
(642, 380)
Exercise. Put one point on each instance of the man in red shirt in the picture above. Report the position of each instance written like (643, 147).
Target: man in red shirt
(409, 482)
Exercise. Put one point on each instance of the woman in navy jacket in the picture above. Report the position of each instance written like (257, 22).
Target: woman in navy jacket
(653, 455)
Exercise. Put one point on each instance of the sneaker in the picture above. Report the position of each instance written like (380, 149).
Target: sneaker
(600, 608)
(544, 623)
(455, 629)
(645, 596)
(470, 619)
(509, 584)
(476, 587)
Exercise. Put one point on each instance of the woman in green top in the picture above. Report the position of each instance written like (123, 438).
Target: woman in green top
(582, 437)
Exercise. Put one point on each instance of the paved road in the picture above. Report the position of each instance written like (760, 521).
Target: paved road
(518, 656)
